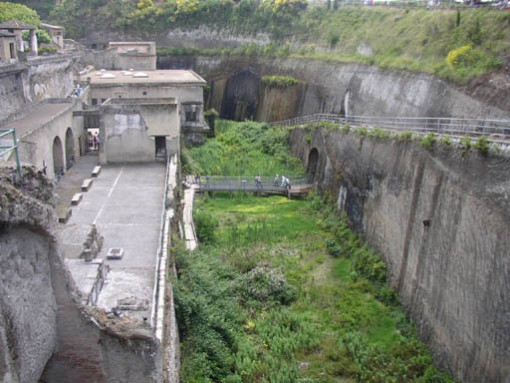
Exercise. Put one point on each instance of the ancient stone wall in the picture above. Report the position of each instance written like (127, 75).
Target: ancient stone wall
(44, 331)
(441, 221)
(32, 82)
(28, 308)
(355, 89)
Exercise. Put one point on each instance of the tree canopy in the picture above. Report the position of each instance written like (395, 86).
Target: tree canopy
(12, 11)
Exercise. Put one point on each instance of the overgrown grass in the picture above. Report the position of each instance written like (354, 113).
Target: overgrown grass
(247, 148)
(282, 309)
(284, 291)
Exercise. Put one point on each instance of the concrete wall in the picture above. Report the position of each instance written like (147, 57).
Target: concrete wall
(181, 93)
(127, 131)
(441, 221)
(111, 59)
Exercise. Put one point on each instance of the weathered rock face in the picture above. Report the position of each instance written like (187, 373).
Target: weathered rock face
(28, 309)
(441, 221)
(352, 89)
(44, 331)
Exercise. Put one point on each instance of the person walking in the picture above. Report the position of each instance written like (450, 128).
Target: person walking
(276, 181)
(258, 181)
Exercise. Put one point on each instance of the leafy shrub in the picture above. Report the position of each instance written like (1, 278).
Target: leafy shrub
(465, 144)
(446, 141)
(428, 141)
(280, 82)
(333, 249)
(266, 285)
(482, 145)
(405, 136)
(407, 361)
(205, 225)
(463, 56)
(47, 50)
(370, 266)
(361, 132)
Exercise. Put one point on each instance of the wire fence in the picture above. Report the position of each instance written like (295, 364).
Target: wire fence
(441, 125)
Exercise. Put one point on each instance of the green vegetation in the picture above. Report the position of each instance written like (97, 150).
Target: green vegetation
(428, 142)
(482, 145)
(465, 144)
(455, 44)
(12, 11)
(247, 148)
(284, 291)
(280, 82)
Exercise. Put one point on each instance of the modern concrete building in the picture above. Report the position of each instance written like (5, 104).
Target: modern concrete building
(141, 114)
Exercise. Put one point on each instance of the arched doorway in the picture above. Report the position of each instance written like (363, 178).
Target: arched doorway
(58, 157)
(69, 148)
(313, 162)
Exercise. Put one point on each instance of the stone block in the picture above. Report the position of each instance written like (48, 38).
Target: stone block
(76, 199)
(64, 216)
(96, 171)
(87, 184)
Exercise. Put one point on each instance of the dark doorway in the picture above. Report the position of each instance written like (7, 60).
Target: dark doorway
(240, 99)
(12, 50)
(160, 142)
(58, 158)
(313, 162)
(69, 148)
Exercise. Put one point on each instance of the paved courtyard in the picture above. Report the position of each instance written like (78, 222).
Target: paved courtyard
(125, 203)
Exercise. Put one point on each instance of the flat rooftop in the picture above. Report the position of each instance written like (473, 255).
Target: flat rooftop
(37, 117)
(122, 77)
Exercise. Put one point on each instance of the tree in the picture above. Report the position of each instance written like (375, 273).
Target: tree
(42, 36)
(11, 11)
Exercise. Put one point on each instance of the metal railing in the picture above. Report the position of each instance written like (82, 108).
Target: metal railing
(267, 184)
(6, 148)
(440, 125)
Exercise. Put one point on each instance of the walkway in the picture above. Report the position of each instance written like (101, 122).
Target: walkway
(441, 125)
(187, 217)
(300, 185)
(125, 204)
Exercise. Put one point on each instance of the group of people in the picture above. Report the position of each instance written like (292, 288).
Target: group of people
(284, 184)
(93, 141)
(77, 91)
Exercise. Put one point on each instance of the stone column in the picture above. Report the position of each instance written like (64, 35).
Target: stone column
(19, 39)
(33, 42)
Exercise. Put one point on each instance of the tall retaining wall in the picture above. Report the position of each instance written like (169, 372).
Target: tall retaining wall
(338, 88)
(441, 221)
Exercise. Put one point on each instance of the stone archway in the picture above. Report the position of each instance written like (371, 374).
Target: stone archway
(58, 157)
(313, 163)
(69, 148)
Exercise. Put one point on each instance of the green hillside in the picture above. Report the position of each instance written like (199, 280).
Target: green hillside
(455, 44)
